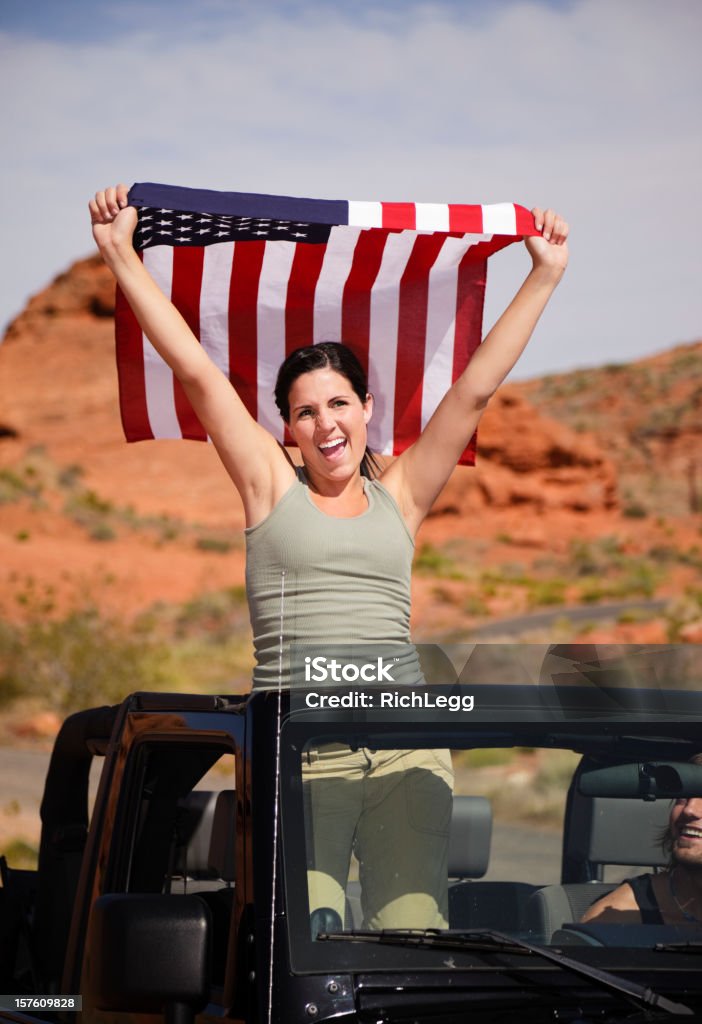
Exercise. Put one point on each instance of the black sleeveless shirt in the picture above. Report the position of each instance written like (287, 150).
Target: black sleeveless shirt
(646, 899)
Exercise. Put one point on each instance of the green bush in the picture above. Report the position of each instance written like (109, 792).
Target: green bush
(78, 661)
(21, 855)
(430, 561)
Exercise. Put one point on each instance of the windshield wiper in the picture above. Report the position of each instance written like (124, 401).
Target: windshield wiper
(486, 940)
(678, 947)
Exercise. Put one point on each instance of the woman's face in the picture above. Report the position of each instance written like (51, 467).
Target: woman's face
(328, 423)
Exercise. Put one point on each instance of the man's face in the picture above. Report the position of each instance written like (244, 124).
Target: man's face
(686, 829)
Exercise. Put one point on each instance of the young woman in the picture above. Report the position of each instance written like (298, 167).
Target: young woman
(327, 528)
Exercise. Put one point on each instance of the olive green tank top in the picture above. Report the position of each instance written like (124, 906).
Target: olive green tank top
(346, 581)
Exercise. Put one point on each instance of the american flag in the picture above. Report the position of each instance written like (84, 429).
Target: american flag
(256, 276)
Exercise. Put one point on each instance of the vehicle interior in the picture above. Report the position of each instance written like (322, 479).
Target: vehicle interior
(563, 788)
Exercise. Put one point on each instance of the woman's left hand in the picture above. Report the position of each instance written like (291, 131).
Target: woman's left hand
(550, 248)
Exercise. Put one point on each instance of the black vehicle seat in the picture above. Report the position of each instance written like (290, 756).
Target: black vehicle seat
(603, 831)
(468, 855)
(472, 904)
(222, 858)
(549, 908)
(205, 851)
(470, 837)
(194, 834)
(218, 866)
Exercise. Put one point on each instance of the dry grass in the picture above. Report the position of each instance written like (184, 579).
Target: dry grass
(522, 786)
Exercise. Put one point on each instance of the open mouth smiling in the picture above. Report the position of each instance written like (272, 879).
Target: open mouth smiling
(690, 832)
(332, 448)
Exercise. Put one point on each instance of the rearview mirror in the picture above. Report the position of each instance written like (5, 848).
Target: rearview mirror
(645, 780)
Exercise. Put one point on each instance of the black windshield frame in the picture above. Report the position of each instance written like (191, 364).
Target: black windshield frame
(677, 733)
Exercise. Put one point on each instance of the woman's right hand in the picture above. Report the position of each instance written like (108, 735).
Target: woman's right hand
(113, 221)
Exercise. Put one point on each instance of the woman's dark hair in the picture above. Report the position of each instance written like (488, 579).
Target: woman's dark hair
(337, 357)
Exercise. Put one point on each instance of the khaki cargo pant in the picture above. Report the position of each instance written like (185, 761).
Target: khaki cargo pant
(392, 808)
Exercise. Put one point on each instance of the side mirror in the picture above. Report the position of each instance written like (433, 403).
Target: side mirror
(151, 954)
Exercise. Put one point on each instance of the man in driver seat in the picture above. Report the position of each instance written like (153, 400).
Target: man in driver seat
(673, 896)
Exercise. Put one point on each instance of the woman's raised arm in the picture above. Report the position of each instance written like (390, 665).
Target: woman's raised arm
(251, 456)
(418, 475)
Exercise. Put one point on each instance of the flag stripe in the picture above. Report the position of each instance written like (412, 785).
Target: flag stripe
(412, 327)
(186, 288)
(469, 319)
(365, 215)
(499, 219)
(130, 369)
(214, 304)
(441, 326)
(432, 217)
(399, 215)
(299, 301)
(383, 335)
(158, 379)
(243, 321)
(356, 301)
(338, 265)
(465, 218)
(273, 284)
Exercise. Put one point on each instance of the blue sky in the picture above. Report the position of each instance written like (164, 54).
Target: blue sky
(591, 106)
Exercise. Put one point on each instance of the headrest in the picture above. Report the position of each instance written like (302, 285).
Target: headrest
(206, 835)
(625, 831)
(195, 819)
(222, 852)
(471, 833)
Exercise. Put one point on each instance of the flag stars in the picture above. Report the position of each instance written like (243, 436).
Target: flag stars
(188, 227)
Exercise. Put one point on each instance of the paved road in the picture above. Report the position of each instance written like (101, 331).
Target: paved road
(527, 854)
(513, 628)
(23, 773)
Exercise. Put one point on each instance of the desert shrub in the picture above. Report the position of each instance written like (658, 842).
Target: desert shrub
(217, 544)
(430, 561)
(484, 757)
(546, 592)
(20, 854)
(635, 510)
(80, 660)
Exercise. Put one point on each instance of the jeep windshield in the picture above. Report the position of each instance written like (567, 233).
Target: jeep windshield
(516, 798)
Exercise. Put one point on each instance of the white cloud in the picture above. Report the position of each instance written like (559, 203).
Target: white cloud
(591, 107)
